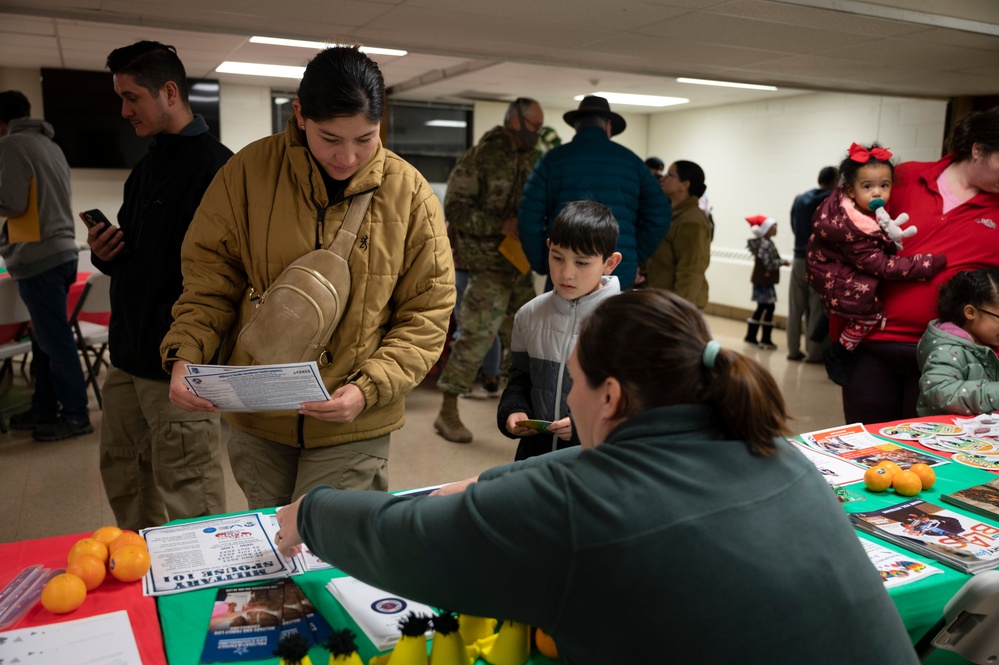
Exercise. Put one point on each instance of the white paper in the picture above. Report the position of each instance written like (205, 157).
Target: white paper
(896, 568)
(377, 612)
(105, 639)
(836, 470)
(257, 388)
(213, 552)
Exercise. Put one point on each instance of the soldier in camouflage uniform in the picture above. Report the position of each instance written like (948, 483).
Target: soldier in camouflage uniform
(483, 194)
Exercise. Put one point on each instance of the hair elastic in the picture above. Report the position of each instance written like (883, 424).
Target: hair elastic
(711, 350)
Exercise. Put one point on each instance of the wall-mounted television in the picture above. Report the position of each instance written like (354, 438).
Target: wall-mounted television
(85, 112)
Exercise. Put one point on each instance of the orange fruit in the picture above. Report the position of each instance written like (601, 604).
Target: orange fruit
(129, 563)
(88, 546)
(877, 478)
(88, 568)
(926, 474)
(891, 466)
(63, 593)
(907, 483)
(106, 534)
(127, 538)
(545, 644)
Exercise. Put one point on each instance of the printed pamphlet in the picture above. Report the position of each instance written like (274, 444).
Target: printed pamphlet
(856, 444)
(896, 568)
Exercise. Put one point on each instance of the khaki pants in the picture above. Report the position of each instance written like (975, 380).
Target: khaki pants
(158, 462)
(274, 474)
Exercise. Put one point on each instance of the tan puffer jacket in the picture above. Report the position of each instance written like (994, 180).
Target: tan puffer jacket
(263, 211)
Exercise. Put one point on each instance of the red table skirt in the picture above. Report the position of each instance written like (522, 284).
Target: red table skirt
(110, 596)
(8, 332)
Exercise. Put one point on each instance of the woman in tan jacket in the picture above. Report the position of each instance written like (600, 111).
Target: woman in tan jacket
(282, 197)
(682, 258)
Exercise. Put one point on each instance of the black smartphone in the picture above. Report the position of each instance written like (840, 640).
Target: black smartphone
(94, 218)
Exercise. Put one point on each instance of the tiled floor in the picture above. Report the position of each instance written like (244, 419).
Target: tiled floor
(55, 488)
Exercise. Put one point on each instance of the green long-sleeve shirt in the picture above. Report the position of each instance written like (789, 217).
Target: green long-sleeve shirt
(667, 542)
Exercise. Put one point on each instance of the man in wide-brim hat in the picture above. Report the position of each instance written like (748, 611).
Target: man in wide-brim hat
(599, 107)
(593, 167)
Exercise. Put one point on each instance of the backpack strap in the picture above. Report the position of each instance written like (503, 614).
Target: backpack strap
(343, 242)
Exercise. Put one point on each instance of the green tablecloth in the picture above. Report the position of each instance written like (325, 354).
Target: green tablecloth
(184, 617)
(921, 604)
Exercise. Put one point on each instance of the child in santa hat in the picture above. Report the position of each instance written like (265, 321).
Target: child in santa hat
(766, 273)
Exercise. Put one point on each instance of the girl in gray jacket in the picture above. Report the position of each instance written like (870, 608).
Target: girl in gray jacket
(957, 353)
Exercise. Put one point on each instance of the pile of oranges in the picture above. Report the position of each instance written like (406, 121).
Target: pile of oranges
(109, 549)
(907, 482)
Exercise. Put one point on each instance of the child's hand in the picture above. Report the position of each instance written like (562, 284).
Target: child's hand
(511, 424)
(562, 429)
(939, 262)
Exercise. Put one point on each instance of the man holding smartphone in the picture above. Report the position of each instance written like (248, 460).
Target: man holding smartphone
(38, 245)
(158, 462)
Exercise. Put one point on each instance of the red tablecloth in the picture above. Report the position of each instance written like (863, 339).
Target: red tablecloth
(8, 332)
(110, 596)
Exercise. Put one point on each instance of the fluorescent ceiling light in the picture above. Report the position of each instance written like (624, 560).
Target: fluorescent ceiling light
(461, 124)
(636, 100)
(726, 84)
(255, 69)
(277, 41)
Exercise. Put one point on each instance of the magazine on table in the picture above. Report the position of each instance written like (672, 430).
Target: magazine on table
(958, 541)
(981, 499)
(895, 567)
(376, 612)
(856, 444)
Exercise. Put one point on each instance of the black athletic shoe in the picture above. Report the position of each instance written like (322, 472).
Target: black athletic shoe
(29, 419)
(62, 428)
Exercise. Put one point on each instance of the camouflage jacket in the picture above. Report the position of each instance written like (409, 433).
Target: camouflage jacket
(482, 191)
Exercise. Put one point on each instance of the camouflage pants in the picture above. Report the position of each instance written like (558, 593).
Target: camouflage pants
(487, 309)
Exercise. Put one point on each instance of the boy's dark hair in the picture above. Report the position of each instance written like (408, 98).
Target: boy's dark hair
(151, 64)
(341, 82)
(978, 288)
(13, 105)
(848, 167)
(586, 227)
(828, 176)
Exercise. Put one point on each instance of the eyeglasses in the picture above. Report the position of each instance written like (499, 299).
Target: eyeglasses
(669, 175)
(985, 311)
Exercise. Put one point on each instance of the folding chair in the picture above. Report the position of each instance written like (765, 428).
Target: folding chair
(970, 624)
(92, 338)
(12, 311)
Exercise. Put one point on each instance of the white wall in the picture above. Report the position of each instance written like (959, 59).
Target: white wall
(757, 157)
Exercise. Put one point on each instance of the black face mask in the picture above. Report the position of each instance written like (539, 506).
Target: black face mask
(526, 137)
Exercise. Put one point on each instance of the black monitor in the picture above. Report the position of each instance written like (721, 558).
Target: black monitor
(85, 112)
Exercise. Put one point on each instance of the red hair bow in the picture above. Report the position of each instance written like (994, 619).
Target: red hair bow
(756, 220)
(859, 153)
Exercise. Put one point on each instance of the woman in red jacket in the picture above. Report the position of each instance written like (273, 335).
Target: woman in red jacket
(954, 202)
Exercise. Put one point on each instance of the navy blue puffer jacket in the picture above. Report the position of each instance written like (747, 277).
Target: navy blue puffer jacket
(592, 167)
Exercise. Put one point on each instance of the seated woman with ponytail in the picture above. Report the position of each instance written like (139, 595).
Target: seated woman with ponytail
(685, 529)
